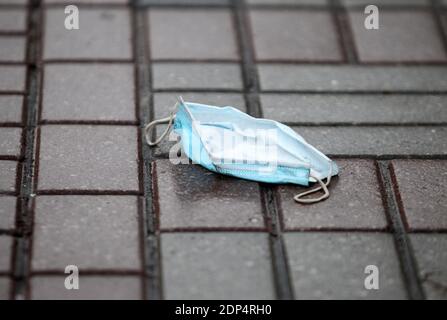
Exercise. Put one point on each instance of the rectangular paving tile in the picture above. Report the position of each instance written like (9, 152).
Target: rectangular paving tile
(164, 102)
(295, 35)
(378, 141)
(423, 190)
(192, 34)
(85, 157)
(189, 196)
(6, 250)
(12, 49)
(186, 2)
(355, 201)
(90, 288)
(402, 36)
(103, 34)
(5, 288)
(332, 265)
(7, 212)
(10, 139)
(355, 108)
(13, 20)
(381, 3)
(11, 109)
(91, 232)
(12, 78)
(283, 77)
(289, 2)
(99, 92)
(8, 173)
(198, 266)
(431, 255)
(197, 76)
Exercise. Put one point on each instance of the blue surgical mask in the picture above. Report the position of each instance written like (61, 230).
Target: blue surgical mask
(228, 141)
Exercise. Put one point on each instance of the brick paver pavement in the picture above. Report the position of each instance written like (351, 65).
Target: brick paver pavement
(78, 185)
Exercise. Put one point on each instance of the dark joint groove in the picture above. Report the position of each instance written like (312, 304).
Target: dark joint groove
(25, 203)
(397, 225)
(143, 72)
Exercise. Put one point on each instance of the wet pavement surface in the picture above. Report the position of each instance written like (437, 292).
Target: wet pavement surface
(78, 185)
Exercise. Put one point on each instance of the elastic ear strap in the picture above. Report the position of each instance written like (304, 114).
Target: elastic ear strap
(299, 196)
(149, 127)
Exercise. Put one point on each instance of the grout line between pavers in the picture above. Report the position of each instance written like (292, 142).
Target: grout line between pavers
(25, 207)
(302, 91)
(397, 224)
(281, 274)
(143, 73)
(283, 279)
(344, 31)
(438, 15)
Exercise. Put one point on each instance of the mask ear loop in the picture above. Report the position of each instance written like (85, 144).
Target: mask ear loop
(299, 197)
(150, 126)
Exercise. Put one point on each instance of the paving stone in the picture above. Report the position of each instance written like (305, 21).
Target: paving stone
(377, 140)
(89, 92)
(102, 34)
(12, 49)
(11, 108)
(199, 265)
(16, 2)
(10, 141)
(13, 20)
(294, 35)
(431, 255)
(65, 226)
(355, 108)
(193, 75)
(289, 2)
(4, 288)
(352, 78)
(355, 201)
(164, 102)
(7, 212)
(88, 1)
(12, 78)
(390, 3)
(402, 36)
(186, 2)
(331, 265)
(192, 197)
(88, 158)
(8, 171)
(90, 288)
(6, 250)
(192, 34)
(422, 189)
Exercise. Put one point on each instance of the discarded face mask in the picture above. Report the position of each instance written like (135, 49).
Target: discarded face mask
(228, 141)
